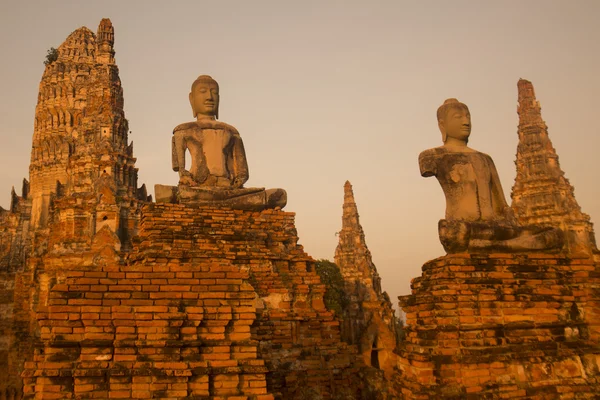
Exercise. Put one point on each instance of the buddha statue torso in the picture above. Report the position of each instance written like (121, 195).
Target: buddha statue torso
(469, 181)
(217, 153)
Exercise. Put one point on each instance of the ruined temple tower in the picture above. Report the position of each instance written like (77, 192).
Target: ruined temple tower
(82, 189)
(352, 254)
(541, 193)
(80, 144)
(369, 319)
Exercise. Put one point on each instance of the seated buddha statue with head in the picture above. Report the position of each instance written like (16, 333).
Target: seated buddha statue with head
(219, 167)
(478, 218)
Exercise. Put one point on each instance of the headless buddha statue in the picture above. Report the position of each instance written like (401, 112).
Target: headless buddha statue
(219, 167)
(478, 218)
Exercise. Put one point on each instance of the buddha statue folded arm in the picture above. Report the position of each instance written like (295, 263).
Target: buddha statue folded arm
(179, 146)
(237, 162)
(217, 153)
(478, 218)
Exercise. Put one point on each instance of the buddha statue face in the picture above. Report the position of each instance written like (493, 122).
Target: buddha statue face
(204, 97)
(454, 121)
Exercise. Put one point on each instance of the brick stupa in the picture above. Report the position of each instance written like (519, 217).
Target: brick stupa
(522, 325)
(82, 193)
(541, 193)
(369, 319)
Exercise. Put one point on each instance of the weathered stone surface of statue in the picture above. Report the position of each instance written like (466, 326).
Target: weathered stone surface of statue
(218, 167)
(478, 217)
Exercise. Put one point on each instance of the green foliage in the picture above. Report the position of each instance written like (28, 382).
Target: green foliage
(399, 330)
(335, 295)
(51, 56)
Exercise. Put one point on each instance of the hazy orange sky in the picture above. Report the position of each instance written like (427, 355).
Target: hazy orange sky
(328, 91)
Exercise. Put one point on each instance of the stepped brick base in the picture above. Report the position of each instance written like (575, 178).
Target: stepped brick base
(209, 304)
(502, 326)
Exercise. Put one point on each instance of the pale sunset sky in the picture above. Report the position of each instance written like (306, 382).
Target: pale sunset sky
(328, 91)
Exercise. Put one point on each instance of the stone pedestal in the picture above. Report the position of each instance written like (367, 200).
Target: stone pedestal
(502, 326)
(210, 303)
(251, 199)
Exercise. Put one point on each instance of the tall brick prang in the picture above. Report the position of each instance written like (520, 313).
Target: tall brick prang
(352, 254)
(541, 193)
(369, 319)
(82, 179)
(80, 139)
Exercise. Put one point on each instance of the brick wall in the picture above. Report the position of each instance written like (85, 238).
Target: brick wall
(502, 326)
(212, 303)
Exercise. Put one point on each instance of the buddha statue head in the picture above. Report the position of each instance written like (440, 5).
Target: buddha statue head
(204, 97)
(454, 121)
